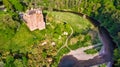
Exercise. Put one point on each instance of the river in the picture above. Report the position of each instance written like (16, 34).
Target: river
(106, 54)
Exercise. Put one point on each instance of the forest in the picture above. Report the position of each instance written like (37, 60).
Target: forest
(20, 47)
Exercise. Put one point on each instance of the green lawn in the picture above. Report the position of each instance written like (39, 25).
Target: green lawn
(78, 23)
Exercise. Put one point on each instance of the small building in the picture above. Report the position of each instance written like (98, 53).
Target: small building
(34, 19)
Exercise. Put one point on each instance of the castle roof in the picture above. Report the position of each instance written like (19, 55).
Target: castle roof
(34, 19)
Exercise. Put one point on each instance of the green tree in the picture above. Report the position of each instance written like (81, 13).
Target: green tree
(117, 4)
(17, 5)
(8, 5)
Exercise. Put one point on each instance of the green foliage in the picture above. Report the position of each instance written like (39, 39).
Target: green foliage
(117, 4)
(24, 62)
(103, 65)
(8, 5)
(91, 51)
(72, 20)
(117, 57)
(9, 61)
(58, 56)
(14, 5)
(106, 11)
(76, 45)
(17, 5)
(7, 28)
(18, 37)
(18, 63)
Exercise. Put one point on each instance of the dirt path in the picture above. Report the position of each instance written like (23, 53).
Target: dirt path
(105, 56)
(66, 42)
(79, 53)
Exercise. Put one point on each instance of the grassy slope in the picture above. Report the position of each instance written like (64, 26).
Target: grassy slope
(75, 21)
(78, 24)
(27, 41)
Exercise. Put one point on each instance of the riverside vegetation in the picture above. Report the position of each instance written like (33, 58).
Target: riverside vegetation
(23, 48)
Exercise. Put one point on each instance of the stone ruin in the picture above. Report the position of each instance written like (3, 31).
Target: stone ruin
(34, 19)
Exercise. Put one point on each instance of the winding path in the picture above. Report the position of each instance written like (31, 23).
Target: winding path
(106, 54)
(66, 42)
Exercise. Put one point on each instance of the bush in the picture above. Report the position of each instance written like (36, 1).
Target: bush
(91, 51)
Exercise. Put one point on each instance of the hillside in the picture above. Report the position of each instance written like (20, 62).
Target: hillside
(64, 31)
(44, 44)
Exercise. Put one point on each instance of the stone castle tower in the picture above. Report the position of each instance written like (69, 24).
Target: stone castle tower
(34, 19)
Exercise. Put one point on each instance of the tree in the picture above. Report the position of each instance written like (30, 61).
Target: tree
(117, 4)
(8, 5)
(17, 5)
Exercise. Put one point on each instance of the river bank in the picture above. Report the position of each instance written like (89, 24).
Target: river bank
(108, 44)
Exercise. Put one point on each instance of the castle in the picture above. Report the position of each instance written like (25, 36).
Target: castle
(34, 19)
